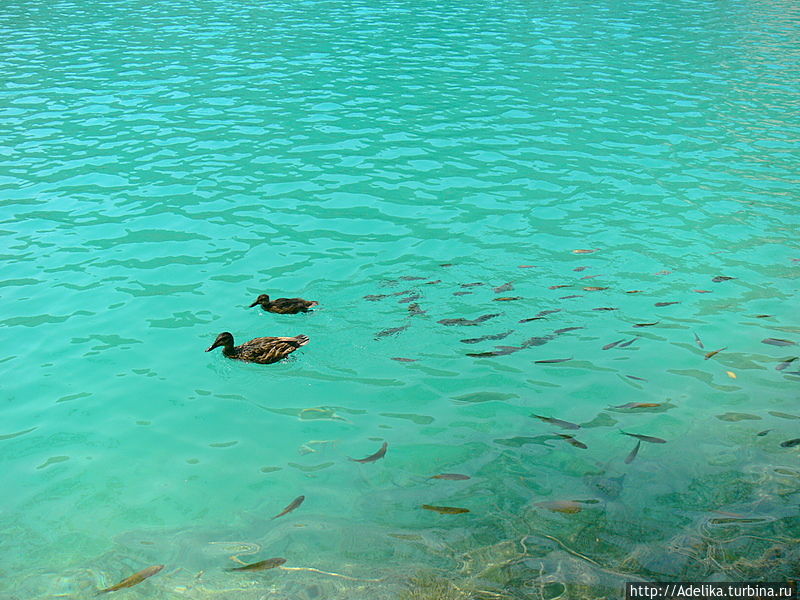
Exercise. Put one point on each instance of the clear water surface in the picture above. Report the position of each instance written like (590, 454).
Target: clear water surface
(164, 163)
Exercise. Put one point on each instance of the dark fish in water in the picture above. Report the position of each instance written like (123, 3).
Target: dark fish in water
(508, 298)
(482, 354)
(446, 510)
(375, 297)
(408, 299)
(411, 278)
(566, 329)
(572, 441)
(414, 309)
(590, 276)
(594, 288)
(451, 476)
(543, 313)
(783, 415)
(610, 487)
(496, 336)
(785, 363)
(605, 308)
(373, 457)
(763, 433)
(526, 266)
(433, 282)
(734, 417)
(646, 324)
(719, 278)
(585, 251)
(628, 343)
(391, 331)
(446, 265)
(762, 316)
(134, 579)
(460, 321)
(559, 422)
(666, 303)
(551, 360)
(461, 293)
(777, 342)
(563, 506)
(536, 341)
(580, 268)
(638, 405)
(556, 287)
(698, 340)
(612, 344)
(635, 377)
(504, 288)
(791, 443)
(633, 453)
(702, 291)
(401, 359)
(634, 291)
(468, 285)
(530, 319)
(292, 505)
(646, 438)
(571, 296)
(262, 565)
(714, 352)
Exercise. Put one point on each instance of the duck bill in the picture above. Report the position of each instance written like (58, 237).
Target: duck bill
(253, 304)
(212, 346)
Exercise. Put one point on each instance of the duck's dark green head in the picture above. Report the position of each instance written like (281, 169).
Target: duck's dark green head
(223, 339)
(263, 300)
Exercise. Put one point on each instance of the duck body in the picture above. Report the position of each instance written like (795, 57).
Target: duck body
(284, 306)
(263, 350)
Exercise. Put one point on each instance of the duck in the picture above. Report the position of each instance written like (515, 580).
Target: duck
(284, 306)
(263, 350)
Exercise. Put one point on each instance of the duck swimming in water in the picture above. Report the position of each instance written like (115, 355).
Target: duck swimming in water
(264, 350)
(284, 306)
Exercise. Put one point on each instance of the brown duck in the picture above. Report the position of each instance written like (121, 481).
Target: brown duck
(284, 306)
(263, 350)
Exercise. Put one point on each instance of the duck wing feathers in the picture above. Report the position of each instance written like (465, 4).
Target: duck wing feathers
(290, 305)
(266, 350)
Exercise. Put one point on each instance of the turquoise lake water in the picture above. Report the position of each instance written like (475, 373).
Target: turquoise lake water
(164, 163)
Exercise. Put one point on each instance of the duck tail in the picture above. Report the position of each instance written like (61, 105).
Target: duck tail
(302, 339)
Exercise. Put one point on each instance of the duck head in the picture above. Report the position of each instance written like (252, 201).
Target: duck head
(263, 300)
(223, 339)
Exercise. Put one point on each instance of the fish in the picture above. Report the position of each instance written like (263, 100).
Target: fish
(734, 417)
(414, 309)
(474, 284)
(451, 476)
(408, 299)
(375, 297)
(566, 329)
(503, 350)
(639, 405)
(762, 316)
(433, 282)
(556, 287)
(261, 565)
(536, 341)
(782, 415)
(401, 359)
(563, 506)
(594, 288)
(666, 303)
(714, 352)
(719, 278)
(698, 340)
(446, 510)
(543, 313)
(791, 443)
(605, 308)
(612, 344)
(785, 363)
(580, 268)
(778, 342)
(730, 374)
(496, 336)
(634, 291)
(508, 298)
(446, 265)
(373, 457)
(460, 321)
(134, 579)
(551, 360)
(635, 377)
(646, 324)
(571, 296)
(530, 319)
(610, 487)
(559, 422)
(504, 288)
(572, 441)
(702, 291)
(646, 438)
(590, 276)
(585, 251)
(411, 278)
(763, 433)
(461, 293)
(526, 266)
(634, 452)
(482, 354)
(292, 505)
(628, 343)
(391, 331)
